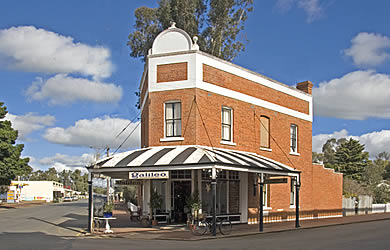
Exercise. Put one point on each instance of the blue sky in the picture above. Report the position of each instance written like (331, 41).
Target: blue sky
(47, 47)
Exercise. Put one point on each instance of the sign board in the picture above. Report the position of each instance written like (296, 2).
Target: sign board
(149, 175)
(11, 196)
(128, 182)
(276, 181)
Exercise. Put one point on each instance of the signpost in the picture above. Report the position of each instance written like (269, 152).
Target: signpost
(275, 181)
(128, 182)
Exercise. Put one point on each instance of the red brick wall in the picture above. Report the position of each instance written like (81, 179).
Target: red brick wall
(246, 135)
(327, 188)
(172, 72)
(245, 86)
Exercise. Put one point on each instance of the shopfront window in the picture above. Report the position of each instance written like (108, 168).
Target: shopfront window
(160, 186)
(228, 191)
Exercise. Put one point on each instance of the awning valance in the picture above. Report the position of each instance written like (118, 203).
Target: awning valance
(190, 157)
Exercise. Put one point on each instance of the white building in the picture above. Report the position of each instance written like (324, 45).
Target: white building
(37, 190)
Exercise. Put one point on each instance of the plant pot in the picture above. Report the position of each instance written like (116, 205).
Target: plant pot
(154, 222)
(107, 214)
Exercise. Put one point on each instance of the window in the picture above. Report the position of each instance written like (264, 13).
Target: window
(228, 192)
(264, 132)
(293, 138)
(292, 192)
(227, 124)
(173, 119)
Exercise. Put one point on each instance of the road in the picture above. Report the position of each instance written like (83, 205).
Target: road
(55, 226)
(62, 219)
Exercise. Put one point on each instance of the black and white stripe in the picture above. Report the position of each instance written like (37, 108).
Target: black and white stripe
(190, 156)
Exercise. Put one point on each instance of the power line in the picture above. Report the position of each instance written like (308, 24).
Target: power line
(127, 137)
(188, 118)
(274, 139)
(204, 125)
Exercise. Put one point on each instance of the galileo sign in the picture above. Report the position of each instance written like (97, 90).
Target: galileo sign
(149, 175)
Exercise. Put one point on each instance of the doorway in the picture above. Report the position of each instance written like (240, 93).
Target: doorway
(180, 190)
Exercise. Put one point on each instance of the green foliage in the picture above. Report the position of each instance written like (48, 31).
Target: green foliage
(156, 201)
(193, 201)
(217, 24)
(381, 194)
(329, 151)
(108, 207)
(130, 194)
(11, 163)
(350, 159)
(317, 157)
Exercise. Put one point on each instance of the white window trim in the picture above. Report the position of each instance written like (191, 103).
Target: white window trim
(173, 138)
(295, 193)
(266, 149)
(228, 143)
(296, 140)
(231, 127)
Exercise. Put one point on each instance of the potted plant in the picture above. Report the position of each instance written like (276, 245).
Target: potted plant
(194, 203)
(155, 203)
(107, 209)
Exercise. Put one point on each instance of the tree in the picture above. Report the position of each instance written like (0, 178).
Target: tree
(11, 163)
(352, 188)
(329, 151)
(350, 159)
(317, 157)
(217, 24)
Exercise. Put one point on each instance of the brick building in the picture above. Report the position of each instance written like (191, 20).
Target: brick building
(198, 110)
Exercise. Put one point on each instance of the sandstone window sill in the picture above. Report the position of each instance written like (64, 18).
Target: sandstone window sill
(266, 149)
(295, 153)
(228, 143)
(171, 139)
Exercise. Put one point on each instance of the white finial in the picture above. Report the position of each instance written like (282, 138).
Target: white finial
(173, 25)
(195, 46)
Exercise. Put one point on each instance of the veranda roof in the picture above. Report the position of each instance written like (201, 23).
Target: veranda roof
(188, 157)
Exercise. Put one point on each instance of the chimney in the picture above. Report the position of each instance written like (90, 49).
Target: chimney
(305, 86)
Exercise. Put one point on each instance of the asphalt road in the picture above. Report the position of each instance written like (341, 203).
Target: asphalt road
(55, 226)
(62, 219)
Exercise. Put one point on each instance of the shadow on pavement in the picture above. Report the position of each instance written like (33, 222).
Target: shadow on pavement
(36, 240)
(76, 223)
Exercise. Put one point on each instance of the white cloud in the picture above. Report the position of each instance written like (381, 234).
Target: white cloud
(96, 133)
(320, 139)
(62, 162)
(29, 122)
(369, 49)
(62, 89)
(77, 161)
(31, 49)
(375, 142)
(357, 95)
(312, 8)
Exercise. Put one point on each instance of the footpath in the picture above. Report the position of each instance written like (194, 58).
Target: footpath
(183, 234)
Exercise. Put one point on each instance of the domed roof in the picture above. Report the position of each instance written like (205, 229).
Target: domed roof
(172, 40)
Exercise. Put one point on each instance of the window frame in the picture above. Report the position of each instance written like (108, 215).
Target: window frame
(292, 192)
(225, 124)
(268, 131)
(293, 141)
(173, 119)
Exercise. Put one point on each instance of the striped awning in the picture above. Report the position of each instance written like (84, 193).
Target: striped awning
(190, 157)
